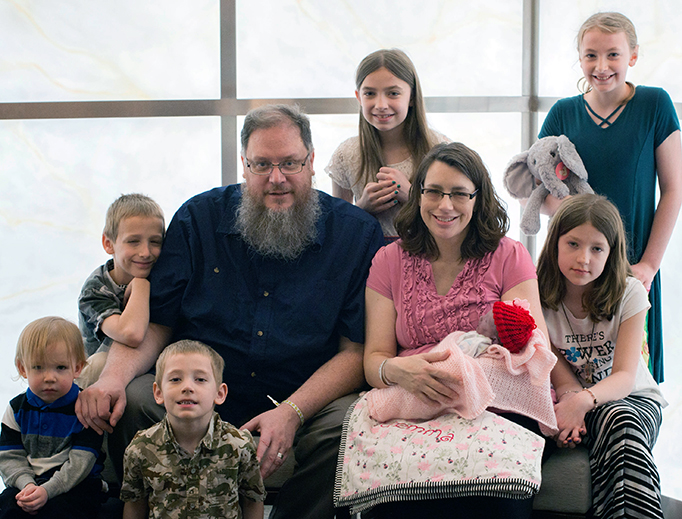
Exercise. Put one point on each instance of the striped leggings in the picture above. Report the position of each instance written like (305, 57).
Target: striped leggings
(620, 437)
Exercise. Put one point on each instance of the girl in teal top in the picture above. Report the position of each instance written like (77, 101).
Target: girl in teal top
(627, 138)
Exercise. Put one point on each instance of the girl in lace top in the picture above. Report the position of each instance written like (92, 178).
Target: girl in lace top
(375, 168)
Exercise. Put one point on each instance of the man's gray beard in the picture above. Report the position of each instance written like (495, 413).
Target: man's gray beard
(279, 234)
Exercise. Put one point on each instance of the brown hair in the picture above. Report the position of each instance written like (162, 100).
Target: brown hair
(489, 222)
(127, 206)
(415, 129)
(603, 297)
(186, 347)
(39, 334)
(270, 116)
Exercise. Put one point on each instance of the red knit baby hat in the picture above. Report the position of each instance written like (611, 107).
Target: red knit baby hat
(514, 325)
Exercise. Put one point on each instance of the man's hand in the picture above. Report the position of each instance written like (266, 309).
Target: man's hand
(101, 405)
(277, 429)
(32, 498)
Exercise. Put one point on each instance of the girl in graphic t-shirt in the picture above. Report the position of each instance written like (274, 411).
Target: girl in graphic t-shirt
(607, 399)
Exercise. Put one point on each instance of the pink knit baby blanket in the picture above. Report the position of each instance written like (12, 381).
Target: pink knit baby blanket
(515, 382)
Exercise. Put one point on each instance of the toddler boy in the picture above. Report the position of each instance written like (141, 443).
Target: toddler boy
(50, 464)
(191, 461)
(114, 301)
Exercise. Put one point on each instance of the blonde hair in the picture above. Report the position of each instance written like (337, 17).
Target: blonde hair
(186, 347)
(606, 292)
(127, 206)
(608, 23)
(41, 333)
(415, 129)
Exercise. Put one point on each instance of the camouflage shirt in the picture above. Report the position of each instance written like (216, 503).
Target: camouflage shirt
(206, 483)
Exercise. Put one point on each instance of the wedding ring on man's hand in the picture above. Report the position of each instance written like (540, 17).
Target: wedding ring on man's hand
(280, 455)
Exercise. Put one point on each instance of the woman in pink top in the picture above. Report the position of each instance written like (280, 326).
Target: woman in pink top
(452, 263)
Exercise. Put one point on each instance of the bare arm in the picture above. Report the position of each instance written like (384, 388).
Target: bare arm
(669, 169)
(338, 377)
(573, 407)
(252, 509)
(528, 290)
(136, 509)
(415, 373)
(130, 326)
(101, 405)
(563, 378)
(342, 193)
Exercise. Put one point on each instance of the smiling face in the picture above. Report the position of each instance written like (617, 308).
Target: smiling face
(136, 248)
(385, 100)
(448, 219)
(604, 60)
(583, 252)
(276, 145)
(51, 377)
(188, 389)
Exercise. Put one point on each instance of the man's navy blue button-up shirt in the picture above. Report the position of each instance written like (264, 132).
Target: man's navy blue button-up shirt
(274, 322)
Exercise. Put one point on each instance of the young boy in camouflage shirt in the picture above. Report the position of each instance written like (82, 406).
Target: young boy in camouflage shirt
(191, 464)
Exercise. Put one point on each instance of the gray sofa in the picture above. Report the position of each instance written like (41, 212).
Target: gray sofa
(565, 491)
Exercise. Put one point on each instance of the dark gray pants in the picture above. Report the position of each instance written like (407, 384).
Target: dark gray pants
(308, 494)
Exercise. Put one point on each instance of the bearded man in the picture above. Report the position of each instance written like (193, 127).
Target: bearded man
(271, 274)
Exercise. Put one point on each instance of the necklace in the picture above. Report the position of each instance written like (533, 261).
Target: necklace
(589, 366)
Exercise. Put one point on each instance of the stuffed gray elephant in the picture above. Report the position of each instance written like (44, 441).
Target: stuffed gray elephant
(554, 162)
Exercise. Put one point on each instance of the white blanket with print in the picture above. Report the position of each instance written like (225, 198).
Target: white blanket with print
(445, 457)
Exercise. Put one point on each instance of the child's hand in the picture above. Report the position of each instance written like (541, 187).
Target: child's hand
(401, 182)
(570, 438)
(135, 284)
(377, 197)
(570, 415)
(32, 498)
(644, 273)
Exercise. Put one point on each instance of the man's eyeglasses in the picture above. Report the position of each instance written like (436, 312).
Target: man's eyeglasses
(288, 167)
(436, 195)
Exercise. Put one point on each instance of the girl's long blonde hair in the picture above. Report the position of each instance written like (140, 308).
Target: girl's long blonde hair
(415, 129)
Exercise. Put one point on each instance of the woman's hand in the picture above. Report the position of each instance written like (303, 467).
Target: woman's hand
(419, 376)
(570, 415)
(400, 182)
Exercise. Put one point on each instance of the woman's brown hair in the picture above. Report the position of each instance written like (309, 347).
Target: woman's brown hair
(489, 222)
